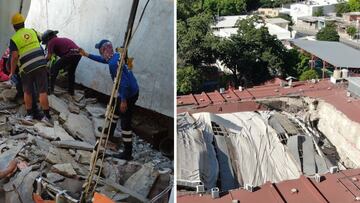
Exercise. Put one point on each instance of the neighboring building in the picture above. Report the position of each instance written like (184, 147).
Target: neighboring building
(269, 12)
(351, 17)
(226, 26)
(313, 23)
(308, 8)
(279, 22)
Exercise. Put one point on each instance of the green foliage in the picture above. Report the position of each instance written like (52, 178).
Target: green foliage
(351, 31)
(252, 55)
(226, 7)
(342, 8)
(328, 33)
(188, 80)
(319, 12)
(274, 3)
(195, 40)
(296, 63)
(309, 74)
(286, 17)
(354, 5)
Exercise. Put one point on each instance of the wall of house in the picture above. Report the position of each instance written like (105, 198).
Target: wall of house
(7, 9)
(89, 21)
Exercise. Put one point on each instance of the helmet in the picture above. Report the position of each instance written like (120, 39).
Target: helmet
(48, 35)
(17, 19)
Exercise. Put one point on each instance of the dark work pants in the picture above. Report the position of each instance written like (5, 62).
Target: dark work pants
(126, 129)
(34, 94)
(68, 63)
(126, 117)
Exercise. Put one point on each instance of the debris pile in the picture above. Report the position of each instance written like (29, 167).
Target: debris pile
(61, 154)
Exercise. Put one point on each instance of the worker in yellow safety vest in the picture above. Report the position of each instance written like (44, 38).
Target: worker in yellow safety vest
(28, 54)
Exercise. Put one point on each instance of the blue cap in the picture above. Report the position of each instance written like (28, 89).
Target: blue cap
(99, 45)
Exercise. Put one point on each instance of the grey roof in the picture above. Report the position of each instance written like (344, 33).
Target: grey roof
(335, 53)
(354, 80)
(276, 20)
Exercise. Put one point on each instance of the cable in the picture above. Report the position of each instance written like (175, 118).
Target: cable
(21, 6)
(140, 19)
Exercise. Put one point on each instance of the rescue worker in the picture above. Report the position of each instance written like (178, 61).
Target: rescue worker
(26, 51)
(127, 95)
(69, 55)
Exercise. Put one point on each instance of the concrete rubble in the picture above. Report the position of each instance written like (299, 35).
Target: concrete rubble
(62, 153)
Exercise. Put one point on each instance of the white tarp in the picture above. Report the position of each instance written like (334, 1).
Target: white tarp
(196, 156)
(256, 153)
(89, 21)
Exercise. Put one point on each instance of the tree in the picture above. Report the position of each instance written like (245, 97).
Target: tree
(354, 5)
(328, 33)
(351, 31)
(195, 40)
(252, 55)
(309, 74)
(188, 80)
(319, 12)
(342, 8)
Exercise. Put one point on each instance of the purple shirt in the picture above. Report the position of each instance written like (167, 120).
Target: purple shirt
(61, 46)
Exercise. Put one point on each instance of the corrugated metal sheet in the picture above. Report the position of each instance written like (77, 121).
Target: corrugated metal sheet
(335, 53)
(354, 85)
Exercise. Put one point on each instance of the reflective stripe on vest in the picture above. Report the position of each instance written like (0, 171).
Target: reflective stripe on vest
(31, 56)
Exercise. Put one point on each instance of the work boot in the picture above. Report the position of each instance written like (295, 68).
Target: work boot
(47, 121)
(127, 153)
(112, 138)
(28, 119)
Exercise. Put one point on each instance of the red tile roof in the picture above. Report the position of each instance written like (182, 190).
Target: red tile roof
(235, 100)
(340, 187)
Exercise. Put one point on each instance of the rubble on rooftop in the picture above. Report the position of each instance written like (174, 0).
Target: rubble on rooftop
(61, 154)
(244, 136)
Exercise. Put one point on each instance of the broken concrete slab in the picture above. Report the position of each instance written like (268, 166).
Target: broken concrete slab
(56, 155)
(18, 179)
(79, 95)
(81, 127)
(113, 194)
(54, 177)
(9, 94)
(142, 180)
(73, 108)
(58, 104)
(22, 193)
(55, 133)
(97, 122)
(65, 169)
(73, 144)
(9, 155)
(83, 157)
(96, 110)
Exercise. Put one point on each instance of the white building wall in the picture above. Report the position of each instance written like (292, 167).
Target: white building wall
(89, 21)
(7, 9)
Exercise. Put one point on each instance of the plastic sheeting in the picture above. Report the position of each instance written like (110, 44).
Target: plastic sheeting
(254, 151)
(196, 158)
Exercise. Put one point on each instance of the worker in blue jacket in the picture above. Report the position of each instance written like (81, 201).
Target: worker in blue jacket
(127, 96)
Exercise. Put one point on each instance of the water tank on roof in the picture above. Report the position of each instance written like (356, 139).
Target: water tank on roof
(345, 73)
(337, 74)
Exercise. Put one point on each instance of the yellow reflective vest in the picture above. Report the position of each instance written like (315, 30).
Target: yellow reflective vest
(31, 55)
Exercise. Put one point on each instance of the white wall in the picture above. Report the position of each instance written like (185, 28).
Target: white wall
(89, 21)
(7, 9)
